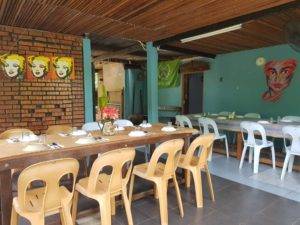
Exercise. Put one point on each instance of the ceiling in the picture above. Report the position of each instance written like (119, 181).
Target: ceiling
(118, 25)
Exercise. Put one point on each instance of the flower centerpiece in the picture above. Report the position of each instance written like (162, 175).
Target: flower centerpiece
(107, 115)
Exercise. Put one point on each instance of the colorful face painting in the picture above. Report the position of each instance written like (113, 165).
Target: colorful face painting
(39, 66)
(278, 76)
(13, 65)
(64, 67)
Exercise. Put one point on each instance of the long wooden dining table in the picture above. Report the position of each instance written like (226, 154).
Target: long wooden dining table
(273, 129)
(13, 156)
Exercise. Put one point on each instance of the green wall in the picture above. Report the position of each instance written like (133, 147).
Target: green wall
(169, 97)
(244, 83)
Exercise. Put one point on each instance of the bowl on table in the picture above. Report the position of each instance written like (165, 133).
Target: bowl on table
(136, 133)
(34, 147)
(168, 129)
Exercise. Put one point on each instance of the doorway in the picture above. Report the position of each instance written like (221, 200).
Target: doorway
(192, 93)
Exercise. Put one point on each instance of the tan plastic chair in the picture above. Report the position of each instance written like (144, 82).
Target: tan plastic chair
(35, 204)
(103, 187)
(195, 164)
(16, 132)
(55, 129)
(160, 174)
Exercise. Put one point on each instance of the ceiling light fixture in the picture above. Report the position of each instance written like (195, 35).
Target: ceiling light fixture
(212, 33)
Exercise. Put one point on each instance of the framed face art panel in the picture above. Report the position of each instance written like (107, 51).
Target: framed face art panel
(63, 67)
(279, 75)
(13, 65)
(38, 67)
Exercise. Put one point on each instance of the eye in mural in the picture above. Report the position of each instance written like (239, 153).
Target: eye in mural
(278, 76)
(39, 66)
(13, 65)
(64, 67)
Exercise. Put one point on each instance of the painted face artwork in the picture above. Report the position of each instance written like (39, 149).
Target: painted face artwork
(278, 76)
(39, 65)
(63, 66)
(13, 65)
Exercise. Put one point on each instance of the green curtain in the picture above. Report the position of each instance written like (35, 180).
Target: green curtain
(102, 96)
(168, 74)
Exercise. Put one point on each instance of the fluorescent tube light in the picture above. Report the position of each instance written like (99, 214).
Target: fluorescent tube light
(212, 33)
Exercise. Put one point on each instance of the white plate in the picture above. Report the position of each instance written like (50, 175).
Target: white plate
(286, 121)
(214, 114)
(78, 133)
(147, 125)
(86, 140)
(239, 117)
(35, 147)
(198, 116)
(263, 121)
(168, 129)
(221, 117)
(136, 133)
(29, 138)
(119, 128)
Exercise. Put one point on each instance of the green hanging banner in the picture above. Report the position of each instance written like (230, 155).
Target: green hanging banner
(168, 74)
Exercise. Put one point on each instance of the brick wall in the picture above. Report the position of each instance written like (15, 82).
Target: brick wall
(40, 103)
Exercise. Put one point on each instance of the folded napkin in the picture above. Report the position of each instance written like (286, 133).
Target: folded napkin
(168, 129)
(79, 133)
(137, 133)
(145, 125)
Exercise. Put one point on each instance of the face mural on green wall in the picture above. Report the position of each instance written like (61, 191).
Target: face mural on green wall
(278, 76)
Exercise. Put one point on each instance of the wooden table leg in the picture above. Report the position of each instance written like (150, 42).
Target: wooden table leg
(239, 145)
(6, 196)
(187, 174)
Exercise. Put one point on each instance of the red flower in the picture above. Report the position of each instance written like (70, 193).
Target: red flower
(109, 113)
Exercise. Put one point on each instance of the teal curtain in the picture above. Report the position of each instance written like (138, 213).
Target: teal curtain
(168, 74)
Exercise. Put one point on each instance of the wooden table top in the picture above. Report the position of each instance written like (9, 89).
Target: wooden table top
(272, 129)
(12, 155)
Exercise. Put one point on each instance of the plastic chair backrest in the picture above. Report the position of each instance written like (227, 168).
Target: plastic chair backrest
(115, 159)
(55, 129)
(50, 172)
(208, 125)
(252, 129)
(123, 123)
(292, 118)
(223, 113)
(252, 116)
(17, 132)
(292, 133)
(170, 148)
(183, 121)
(92, 126)
(205, 142)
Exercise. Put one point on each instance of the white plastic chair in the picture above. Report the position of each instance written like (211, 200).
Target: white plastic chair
(210, 126)
(252, 116)
(291, 137)
(123, 123)
(254, 144)
(183, 121)
(291, 118)
(92, 126)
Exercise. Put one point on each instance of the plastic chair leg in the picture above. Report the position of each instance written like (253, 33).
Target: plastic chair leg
(250, 154)
(105, 210)
(179, 201)
(243, 156)
(256, 160)
(187, 175)
(127, 206)
(113, 205)
(198, 187)
(37, 220)
(209, 183)
(285, 164)
(291, 163)
(74, 206)
(14, 220)
(66, 214)
(131, 187)
(163, 202)
(273, 157)
(226, 147)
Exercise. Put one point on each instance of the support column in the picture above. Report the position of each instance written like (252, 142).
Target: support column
(129, 92)
(152, 83)
(88, 80)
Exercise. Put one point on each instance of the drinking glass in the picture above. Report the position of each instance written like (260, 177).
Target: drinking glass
(169, 124)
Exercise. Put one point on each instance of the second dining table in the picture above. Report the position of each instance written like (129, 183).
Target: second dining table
(16, 155)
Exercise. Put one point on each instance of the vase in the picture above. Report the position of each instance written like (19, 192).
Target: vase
(108, 128)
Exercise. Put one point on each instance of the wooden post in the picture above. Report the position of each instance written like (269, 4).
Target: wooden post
(239, 145)
(6, 196)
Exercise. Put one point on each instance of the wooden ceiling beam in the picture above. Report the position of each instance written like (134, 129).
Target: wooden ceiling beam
(187, 51)
(228, 23)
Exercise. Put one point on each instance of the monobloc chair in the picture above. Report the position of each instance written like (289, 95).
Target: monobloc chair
(160, 173)
(252, 116)
(255, 145)
(16, 132)
(292, 118)
(123, 123)
(55, 129)
(36, 203)
(193, 163)
(291, 139)
(210, 126)
(103, 187)
(183, 121)
(92, 126)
